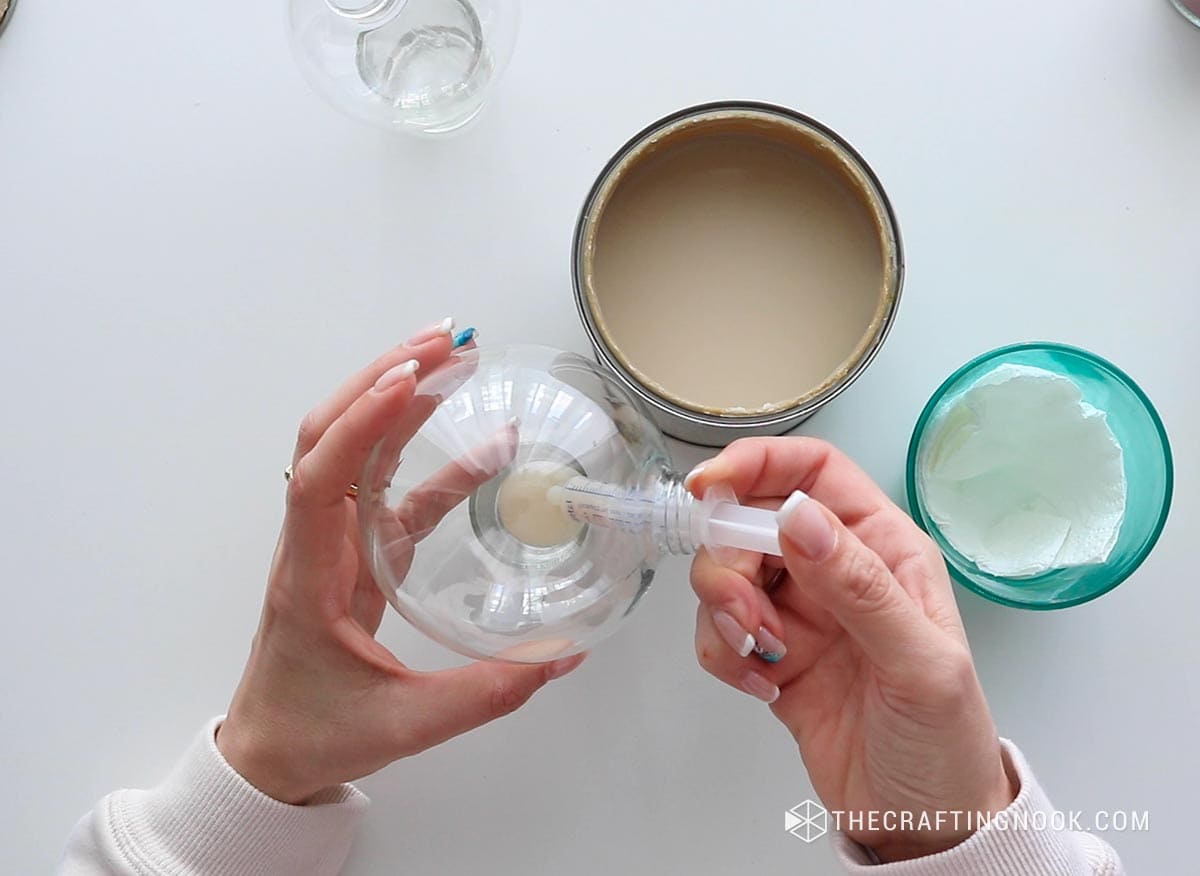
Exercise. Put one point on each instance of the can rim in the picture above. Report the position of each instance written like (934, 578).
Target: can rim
(741, 423)
(6, 10)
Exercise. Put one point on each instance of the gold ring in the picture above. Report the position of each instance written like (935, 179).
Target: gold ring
(351, 491)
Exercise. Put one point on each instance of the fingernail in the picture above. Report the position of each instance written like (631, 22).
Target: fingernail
(464, 337)
(395, 374)
(757, 686)
(692, 475)
(768, 646)
(733, 634)
(432, 331)
(559, 668)
(804, 524)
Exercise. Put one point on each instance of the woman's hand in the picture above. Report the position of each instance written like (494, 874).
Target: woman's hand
(876, 683)
(320, 701)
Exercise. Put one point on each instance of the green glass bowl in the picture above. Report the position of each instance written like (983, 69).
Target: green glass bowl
(1149, 474)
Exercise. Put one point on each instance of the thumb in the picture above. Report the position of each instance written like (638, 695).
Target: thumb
(465, 698)
(852, 582)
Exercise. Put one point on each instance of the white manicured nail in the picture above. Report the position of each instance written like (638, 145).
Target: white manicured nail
(805, 526)
(758, 686)
(692, 475)
(445, 327)
(396, 374)
(733, 634)
(786, 509)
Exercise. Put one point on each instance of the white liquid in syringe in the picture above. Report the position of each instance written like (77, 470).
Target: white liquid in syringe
(525, 509)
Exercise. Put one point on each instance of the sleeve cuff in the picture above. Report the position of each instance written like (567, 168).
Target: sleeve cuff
(1004, 846)
(206, 818)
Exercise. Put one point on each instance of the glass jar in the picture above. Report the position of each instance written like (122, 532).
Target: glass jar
(421, 66)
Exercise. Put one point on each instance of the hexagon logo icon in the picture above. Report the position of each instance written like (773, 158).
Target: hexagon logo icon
(807, 821)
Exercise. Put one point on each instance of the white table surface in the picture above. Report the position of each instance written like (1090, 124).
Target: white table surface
(194, 249)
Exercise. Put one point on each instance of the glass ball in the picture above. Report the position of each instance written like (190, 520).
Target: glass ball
(423, 66)
(453, 514)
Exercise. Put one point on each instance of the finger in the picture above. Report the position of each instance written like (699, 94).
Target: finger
(462, 699)
(444, 490)
(764, 467)
(320, 477)
(341, 450)
(428, 346)
(743, 616)
(398, 530)
(436, 388)
(718, 660)
(775, 467)
(427, 503)
(831, 564)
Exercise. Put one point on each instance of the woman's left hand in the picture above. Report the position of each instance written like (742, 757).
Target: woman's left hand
(321, 701)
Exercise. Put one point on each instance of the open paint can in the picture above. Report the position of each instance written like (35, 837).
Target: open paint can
(737, 265)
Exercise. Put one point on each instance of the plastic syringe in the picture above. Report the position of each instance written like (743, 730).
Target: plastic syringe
(670, 515)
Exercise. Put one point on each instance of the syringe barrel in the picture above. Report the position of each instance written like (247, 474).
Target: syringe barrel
(609, 506)
(669, 516)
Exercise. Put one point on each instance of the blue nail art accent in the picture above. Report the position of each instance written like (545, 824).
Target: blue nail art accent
(768, 656)
(463, 338)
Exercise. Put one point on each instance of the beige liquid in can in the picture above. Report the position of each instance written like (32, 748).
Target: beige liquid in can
(739, 265)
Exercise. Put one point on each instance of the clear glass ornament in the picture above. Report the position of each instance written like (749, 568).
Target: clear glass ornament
(518, 507)
(423, 66)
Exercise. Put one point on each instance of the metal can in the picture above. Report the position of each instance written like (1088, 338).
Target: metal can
(674, 416)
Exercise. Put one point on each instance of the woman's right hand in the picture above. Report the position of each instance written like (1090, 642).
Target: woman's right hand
(876, 684)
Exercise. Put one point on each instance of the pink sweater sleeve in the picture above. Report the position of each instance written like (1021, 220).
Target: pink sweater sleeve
(1014, 844)
(205, 818)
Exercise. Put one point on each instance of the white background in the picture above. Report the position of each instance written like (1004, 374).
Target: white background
(194, 249)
